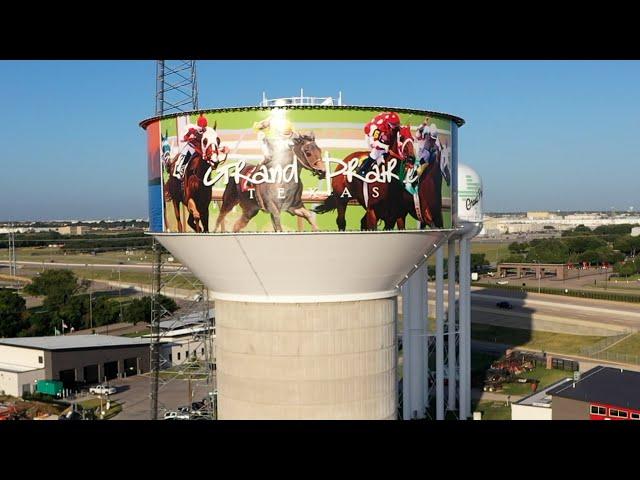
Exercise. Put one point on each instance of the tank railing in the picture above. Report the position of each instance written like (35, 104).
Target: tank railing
(272, 102)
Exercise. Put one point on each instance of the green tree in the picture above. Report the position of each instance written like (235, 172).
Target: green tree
(548, 250)
(12, 313)
(581, 244)
(54, 283)
(105, 312)
(625, 269)
(579, 230)
(139, 310)
(517, 247)
(627, 244)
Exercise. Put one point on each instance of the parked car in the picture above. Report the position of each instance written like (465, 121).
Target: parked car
(505, 305)
(176, 416)
(102, 390)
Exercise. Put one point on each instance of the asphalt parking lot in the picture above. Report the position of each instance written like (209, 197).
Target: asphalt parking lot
(133, 395)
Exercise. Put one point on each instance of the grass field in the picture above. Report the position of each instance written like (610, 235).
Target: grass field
(493, 410)
(45, 255)
(629, 346)
(494, 251)
(94, 403)
(183, 281)
(546, 378)
(546, 341)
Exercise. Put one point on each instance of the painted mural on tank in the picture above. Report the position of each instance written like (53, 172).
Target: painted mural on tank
(301, 169)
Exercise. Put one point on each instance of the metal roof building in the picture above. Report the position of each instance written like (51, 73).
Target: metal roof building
(76, 360)
(602, 393)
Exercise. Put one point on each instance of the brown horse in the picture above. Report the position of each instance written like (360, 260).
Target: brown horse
(429, 195)
(273, 196)
(380, 194)
(191, 190)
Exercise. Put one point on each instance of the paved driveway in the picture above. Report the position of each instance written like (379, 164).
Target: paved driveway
(133, 395)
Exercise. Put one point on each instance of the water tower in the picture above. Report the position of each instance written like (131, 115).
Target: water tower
(276, 217)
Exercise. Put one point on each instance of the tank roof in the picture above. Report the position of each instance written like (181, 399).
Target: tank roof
(459, 121)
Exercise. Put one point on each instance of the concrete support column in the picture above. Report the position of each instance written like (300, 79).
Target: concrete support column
(414, 340)
(464, 349)
(451, 324)
(100, 373)
(440, 333)
(465, 319)
(307, 360)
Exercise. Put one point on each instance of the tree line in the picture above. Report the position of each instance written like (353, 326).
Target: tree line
(610, 244)
(66, 302)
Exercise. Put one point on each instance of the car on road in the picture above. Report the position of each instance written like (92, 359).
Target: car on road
(176, 416)
(505, 305)
(102, 390)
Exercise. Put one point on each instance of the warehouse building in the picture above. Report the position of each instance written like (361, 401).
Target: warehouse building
(602, 393)
(75, 360)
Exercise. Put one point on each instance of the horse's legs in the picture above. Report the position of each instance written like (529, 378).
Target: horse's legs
(304, 213)
(248, 212)
(363, 222)
(275, 220)
(176, 210)
(205, 220)
(371, 219)
(400, 221)
(193, 223)
(341, 221)
(230, 198)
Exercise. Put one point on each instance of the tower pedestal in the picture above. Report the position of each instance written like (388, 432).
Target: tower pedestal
(334, 360)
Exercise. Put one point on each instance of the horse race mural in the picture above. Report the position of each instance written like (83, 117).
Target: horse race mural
(288, 169)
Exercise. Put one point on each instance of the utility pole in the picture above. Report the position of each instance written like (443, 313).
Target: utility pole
(90, 308)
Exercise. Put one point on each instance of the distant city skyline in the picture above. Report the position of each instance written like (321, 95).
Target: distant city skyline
(544, 135)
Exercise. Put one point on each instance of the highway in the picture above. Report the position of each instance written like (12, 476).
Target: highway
(530, 310)
(551, 312)
(97, 266)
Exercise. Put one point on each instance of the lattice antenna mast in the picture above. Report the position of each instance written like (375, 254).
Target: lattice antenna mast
(177, 91)
(176, 86)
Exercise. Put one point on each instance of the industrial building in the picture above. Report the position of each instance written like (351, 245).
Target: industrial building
(75, 360)
(185, 337)
(602, 393)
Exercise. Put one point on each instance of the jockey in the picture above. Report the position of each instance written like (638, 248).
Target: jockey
(379, 136)
(193, 134)
(430, 146)
(276, 130)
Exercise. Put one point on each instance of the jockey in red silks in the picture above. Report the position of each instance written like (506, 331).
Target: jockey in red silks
(193, 135)
(379, 136)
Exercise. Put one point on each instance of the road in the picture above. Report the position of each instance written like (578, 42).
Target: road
(551, 312)
(97, 266)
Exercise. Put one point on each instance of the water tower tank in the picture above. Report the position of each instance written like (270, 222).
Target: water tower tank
(275, 213)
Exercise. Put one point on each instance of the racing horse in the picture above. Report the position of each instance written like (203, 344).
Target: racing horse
(191, 190)
(279, 193)
(426, 205)
(376, 197)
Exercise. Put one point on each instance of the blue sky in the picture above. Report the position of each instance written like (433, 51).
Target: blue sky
(543, 135)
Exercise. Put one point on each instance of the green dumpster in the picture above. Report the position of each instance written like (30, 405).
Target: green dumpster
(49, 387)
